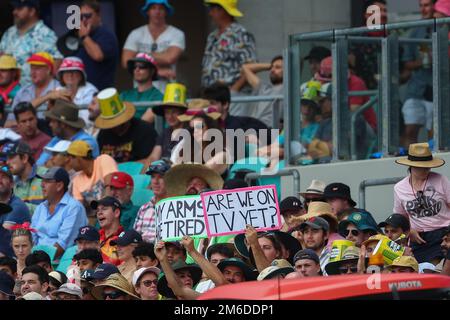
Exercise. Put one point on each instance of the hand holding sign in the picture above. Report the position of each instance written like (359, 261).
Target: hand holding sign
(229, 211)
(251, 234)
(160, 250)
(188, 243)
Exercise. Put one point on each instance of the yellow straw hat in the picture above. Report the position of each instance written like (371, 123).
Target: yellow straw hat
(116, 281)
(8, 62)
(177, 178)
(229, 6)
(113, 112)
(199, 106)
(419, 156)
(174, 96)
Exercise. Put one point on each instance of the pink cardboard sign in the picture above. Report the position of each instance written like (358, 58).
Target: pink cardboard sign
(228, 212)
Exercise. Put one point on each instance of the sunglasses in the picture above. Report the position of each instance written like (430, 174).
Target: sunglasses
(354, 233)
(86, 16)
(343, 270)
(113, 295)
(141, 66)
(148, 283)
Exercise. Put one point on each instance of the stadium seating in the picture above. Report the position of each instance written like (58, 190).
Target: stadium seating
(132, 168)
(66, 259)
(141, 196)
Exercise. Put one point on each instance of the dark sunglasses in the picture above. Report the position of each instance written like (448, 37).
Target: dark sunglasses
(354, 233)
(343, 270)
(113, 295)
(148, 283)
(86, 16)
(141, 66)
(86, 290)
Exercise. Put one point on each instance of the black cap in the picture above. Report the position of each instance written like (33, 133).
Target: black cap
(318, 53)
(16, 147)
(338, 190)
(87, 275)
(396, 220)
(107, 202)
(315, 223)
(234, 184)
(306, 254)
(104, 270)
(25, 3)
(6, 283)
(290, 203)
(127, 237)
(56, 173)
(88, 233)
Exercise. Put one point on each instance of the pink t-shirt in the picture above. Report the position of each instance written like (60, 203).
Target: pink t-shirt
(434, 212)
(332, 237)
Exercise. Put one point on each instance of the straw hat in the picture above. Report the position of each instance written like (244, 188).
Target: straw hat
(177, 178)
(198, 107)
(174, 96)
(230, 6)
(113, 112)
(316, 187)
(277, 267)
(419, 156)
(117, 281)
(321, 209)
(405, 261)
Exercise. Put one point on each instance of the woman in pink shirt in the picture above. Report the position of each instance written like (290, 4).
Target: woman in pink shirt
(424, 197)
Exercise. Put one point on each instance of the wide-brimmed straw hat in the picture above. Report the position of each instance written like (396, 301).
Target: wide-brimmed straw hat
(419, 156)
(113, 112)
(174, 97)
(321, 209)
(65, 112)
(200, 107)
(177, 178)
(316, 188)
(116, 281)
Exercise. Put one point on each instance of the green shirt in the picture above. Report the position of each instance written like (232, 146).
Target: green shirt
(30, 191)
(133, 95)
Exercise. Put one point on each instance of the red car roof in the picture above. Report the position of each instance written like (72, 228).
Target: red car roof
(328, 288)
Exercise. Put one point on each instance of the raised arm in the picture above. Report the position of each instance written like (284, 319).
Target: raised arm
(172, 279)
(250, 70)
(211, 271)
(252, 238)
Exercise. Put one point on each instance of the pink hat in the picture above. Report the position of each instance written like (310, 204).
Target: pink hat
(70, 64)
(326, 70)
(443, 6)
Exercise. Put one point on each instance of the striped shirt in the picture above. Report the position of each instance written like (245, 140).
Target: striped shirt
(324, 259)
(145, 222)
(30, 191)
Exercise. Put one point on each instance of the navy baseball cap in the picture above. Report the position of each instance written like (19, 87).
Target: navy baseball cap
(88, 233)
(104, 270)
(25, 3)
(107, 202)
(87, 275)
(127, 237)
(6, 284)
(56, 173)
(306, 254)
(159, 166)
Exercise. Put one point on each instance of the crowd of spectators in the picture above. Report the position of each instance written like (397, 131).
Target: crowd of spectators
(71, 226)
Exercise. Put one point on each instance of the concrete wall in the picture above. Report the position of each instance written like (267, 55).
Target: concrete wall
(379, 200)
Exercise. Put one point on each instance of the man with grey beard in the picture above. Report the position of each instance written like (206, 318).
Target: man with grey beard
(27, 36)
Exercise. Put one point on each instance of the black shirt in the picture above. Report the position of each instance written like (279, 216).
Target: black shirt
(136, 144)
(166, 143)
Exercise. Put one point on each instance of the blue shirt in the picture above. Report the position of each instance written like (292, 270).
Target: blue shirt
(18, 215)
(80, 135)
(101, 74)
(60, 227)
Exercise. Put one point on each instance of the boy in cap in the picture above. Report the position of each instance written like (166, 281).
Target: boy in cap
(307, 263)
(126, 242)
(88, 238)
(358, 227)
(338, 196)
(67, 214)
(108, 214)
(396, 227)
(120, 185)
(404, 264)
(103, 271)
(88, 184)
(291, 207)
(145, 222)
(315, 232)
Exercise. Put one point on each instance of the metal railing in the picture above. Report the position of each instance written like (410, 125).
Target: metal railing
(388, 96)
(372, 183)
(249, 177)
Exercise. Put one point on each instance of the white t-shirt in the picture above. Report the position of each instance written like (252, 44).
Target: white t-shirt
(140, 40)
(204, 286)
